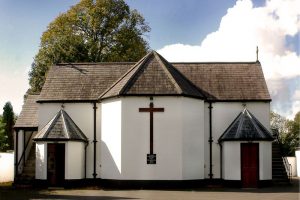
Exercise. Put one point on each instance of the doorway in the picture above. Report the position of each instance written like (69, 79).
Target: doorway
(56, 164)
(249, 165)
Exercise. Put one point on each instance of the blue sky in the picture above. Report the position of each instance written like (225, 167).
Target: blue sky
(180, 31)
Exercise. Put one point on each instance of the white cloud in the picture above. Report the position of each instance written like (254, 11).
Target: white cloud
(242, 29)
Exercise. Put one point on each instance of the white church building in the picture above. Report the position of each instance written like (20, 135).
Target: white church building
(148, 122)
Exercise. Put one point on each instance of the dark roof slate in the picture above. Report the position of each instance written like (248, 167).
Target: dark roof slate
(61, 127)
(228, 81)
(246, 128)
(28, 117)
(80, 82)
(153, 75)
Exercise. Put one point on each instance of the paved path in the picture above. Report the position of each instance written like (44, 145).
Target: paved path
(272, 193)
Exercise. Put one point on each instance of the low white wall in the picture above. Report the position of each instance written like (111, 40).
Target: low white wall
(74, 158)
(298, 161)
(6, 167)
(41, 161)
(292, 161)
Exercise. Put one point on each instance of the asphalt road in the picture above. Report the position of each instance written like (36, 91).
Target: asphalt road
(269, 193)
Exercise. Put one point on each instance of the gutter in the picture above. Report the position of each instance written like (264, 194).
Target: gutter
(210, 141)
(95, 138)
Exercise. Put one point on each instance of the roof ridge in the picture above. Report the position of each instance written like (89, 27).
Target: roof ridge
(200, 90)
(169, 74)
(140, 63)
(64, 122)
(122, 77)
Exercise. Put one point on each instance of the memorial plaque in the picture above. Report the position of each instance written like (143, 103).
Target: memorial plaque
(151, 159)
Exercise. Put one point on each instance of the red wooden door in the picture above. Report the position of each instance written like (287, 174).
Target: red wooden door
(249, 165)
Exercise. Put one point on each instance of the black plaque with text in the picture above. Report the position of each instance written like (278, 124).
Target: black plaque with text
(151, 159)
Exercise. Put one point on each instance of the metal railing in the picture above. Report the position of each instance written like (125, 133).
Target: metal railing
(287, 166)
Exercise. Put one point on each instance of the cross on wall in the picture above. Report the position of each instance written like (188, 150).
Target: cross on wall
(151, 110)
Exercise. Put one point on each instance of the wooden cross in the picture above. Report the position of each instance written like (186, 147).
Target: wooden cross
(151, 110)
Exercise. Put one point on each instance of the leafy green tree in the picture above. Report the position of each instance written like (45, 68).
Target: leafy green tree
(90, 31)
(291, 139)
(3, 138)
(8, 118)
(288, 132)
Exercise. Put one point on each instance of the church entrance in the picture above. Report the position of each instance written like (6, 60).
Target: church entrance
(249, 165)
(56, 164)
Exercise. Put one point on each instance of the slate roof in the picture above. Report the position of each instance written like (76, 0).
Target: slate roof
(228, 81)
(153, 75)
(246, 128)
(28, 117)
(80, 82)
(61, 128)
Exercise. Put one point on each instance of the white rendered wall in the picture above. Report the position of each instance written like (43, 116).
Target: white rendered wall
(41, 161)
(20, 139)
(193, 138)
(21, 145)
(126, 139)
(223, 114)
(167, 139)
(111, 139)
(265, 160)
(6, 167)
(292, 161)
(74, 160)
(232, 160)
(83, 115)
(297, 152)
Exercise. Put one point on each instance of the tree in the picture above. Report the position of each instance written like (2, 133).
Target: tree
(8, 119)
(3, 138)
(90, 31)
(288, 132)
(291, 139)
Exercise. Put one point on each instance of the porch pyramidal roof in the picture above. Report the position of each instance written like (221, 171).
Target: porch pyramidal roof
(61, 128)
(153, 75)
(246, 128)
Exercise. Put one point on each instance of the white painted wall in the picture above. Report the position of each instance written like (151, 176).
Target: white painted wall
(6, 167)
(223, 114)
(232, 160)
(126, 138)
(74, 160)
(292, 161)
(111, 139)
(41, 161)
(297, 152)
(193, 138)
(83, 115)
(265, 160)
(21, 145)
(167, 139)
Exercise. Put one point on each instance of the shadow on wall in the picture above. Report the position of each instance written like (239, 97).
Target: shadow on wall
(6, 167)
(109, 169)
